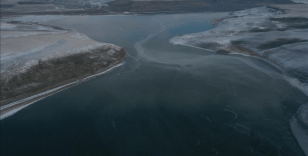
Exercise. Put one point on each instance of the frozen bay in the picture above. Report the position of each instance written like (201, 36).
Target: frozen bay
(165, 100)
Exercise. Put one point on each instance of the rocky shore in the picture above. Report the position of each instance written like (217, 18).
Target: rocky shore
(277, 34)
(39, 60)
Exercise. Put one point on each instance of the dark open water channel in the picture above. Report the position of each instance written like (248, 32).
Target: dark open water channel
(165, 100)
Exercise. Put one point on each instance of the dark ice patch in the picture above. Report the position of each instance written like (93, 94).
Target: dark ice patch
(290, 20)
(279, 42)
(209, 45)
(6, 5)
(294, 22)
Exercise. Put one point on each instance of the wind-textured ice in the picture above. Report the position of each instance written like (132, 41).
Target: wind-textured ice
(279, 36)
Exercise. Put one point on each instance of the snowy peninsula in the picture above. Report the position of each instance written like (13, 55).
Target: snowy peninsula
(39, 60)
(277, 34)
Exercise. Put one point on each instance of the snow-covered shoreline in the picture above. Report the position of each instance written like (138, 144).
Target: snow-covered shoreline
(45, 94)
(276, 34)
(259, 32)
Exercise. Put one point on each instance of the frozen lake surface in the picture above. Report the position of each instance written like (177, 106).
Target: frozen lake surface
(165, 100)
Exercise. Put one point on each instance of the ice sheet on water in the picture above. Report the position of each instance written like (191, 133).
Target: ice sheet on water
(299, 127)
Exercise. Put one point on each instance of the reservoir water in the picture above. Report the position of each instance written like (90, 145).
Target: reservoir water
(165, 100)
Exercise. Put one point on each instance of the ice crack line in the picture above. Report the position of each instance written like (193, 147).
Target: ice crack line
(138, 46)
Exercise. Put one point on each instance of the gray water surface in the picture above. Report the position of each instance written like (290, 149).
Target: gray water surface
(165, 100)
